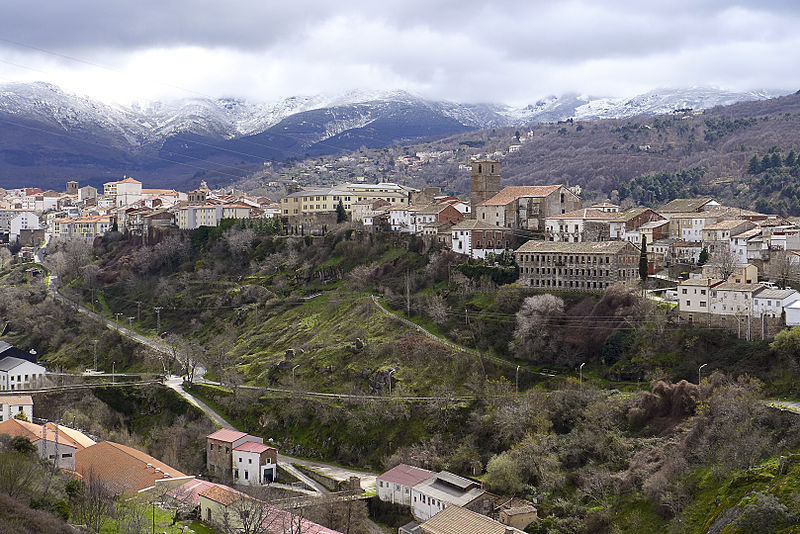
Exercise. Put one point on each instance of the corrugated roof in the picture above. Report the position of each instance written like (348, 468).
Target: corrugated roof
(779, 294)
(512, 193)
(405, 475)
(225, 434)
(10, 362)
(586, 247)
(458, 520)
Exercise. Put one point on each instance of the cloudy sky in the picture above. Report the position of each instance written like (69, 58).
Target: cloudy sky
(501, 51)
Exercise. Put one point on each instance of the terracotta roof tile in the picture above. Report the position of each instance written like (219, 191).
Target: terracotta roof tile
(224, 434)
(406, 475)
(123, 468)
(512, 193)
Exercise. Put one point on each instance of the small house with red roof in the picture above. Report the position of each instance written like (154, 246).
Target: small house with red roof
(395, 485)
(219, 451)
(254, 463)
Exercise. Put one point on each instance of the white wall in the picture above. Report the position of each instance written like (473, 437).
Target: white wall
(20, 376)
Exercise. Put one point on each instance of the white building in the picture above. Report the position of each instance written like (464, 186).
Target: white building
(443, 489)
(124, 192)
(395, 485)
(191, 217)
(694, 295)
(477, 239)
(13, 405)
(730, 298)
(772, 302)
(254, 463)
(16, 373)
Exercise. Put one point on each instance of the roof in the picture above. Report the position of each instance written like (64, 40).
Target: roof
(627, 215)
(685, 204)
(747, 234)
(129, 180)
(779, 294)
(654, 224)
(7, 349)
(252, 446)
(34, 432)
(79, 437)
(512, 193)
(225, 434)
(586, 247)
(524, 509)
(405, 475)
(701, 282)
(728, 224)
(189, 493)
(475, 224)
(16, 400)
(450, 488)
(222, 494)
(605, 204)
(733, 286)
(457, 520)
(10, 362)
(586, 213)
(124, 469)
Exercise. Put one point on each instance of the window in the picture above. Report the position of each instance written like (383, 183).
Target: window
(246, 475)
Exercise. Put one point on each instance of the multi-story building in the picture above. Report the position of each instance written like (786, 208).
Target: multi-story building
(327, 200)
(17, 374)
(124, 192)
(191, 217)
(773, 302)
(477, 239)
(729, 298)
(485, 181)
(586, 224)
(86, 228)
(591, 266)
(627, 225)
(526, 207)
(720, 234)
(254, 464)
(441, 490)
(395, 485)
(694, 294)
(219, 450)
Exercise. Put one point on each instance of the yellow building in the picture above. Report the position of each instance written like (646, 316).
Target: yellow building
(322, 200)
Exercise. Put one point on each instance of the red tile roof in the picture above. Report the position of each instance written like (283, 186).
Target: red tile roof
(123, 468)
(252, 446)
(512, 193)
(224, 434)
(406, 475)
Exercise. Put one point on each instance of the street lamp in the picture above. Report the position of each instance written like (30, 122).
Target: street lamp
(112, 371)
(95, 353)
(698, 373)
(580, 374)
(517, 379)
(390, 379)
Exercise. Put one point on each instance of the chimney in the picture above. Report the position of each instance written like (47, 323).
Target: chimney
(509, 530)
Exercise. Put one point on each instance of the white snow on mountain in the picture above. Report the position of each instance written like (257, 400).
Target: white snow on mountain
(224, 118)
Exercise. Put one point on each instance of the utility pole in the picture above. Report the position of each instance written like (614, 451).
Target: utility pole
(408, 294)
(95, 354)
(158, 320)
(580, 371)
(699, 370)
(117, 314)
(138, 311)
(130, 322)
(517, 379)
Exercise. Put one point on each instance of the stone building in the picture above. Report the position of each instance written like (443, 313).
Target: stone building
(485, 182)
(527, 207)
(591, 266)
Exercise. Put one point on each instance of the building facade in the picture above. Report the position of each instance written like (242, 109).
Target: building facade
(590, 266)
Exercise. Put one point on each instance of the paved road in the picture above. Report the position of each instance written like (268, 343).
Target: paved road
(788, 406)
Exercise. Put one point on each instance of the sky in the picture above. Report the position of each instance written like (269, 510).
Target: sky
(511, 52)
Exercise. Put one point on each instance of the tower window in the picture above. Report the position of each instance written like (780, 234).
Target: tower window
(480, 169)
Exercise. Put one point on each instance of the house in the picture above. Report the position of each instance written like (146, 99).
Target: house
(654, 231)
(517, 515)
(685, 251)
(730, 298)
(721, 234)
(773, 302)
(457, 519)
(192, 217)
(13, 405)
(683, 205)
(226, 507)
(589, 266)
(50, 439)
(395, 485)
(526, 207)
(219, 451)
(254, 463)
(441, 490)
(587, 224)
(17, 374)
(605, 206)
(626, 225)
(123, 469)
(477, 239)
(740, 274)
(793, 314)
(694, 294)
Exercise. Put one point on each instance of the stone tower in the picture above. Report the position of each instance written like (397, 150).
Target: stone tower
(72, 187)
(485, 181)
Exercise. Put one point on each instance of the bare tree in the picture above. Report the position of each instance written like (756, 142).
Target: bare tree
(782, 267)
(533, 333)
(94, 503)
(723, 260)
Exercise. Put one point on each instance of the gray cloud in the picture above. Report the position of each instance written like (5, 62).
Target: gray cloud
(466, 50)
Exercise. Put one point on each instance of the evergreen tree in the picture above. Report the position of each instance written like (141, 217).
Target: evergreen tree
(755, 166)
(341, 215)
(791, 159)
(703, 259)
(766, 163)
(775, 160)
(643, 268)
